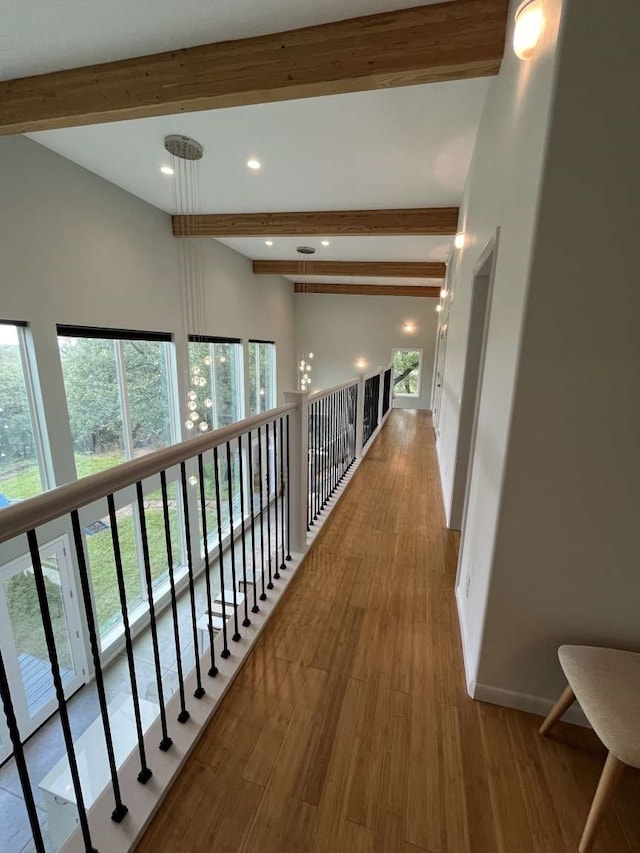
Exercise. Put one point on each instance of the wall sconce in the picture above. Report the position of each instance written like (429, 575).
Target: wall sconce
(458, 240)
(528, 28)
(409, 327)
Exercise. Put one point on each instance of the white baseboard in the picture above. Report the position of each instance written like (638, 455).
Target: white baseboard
(525, 702)
(509, 698)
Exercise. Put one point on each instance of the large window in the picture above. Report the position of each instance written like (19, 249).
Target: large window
(118, 392)
(20, 458)
(262, 376)
(407, 368)
(216, 375)
(120, 402)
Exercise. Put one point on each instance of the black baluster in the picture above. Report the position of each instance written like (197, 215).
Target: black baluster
(18, 755)
(266, 431)
(282, 530)
(275, 494)
(41, 590)
(316, 460)
(334, 438)
(145, 773)
(255, 608)
(166, 741)
(213, 669)
(216, 469)
(309, 466)
(312, 465)
(325, 442)
(120, 809)
(199, 691)
(236, 637)
(246, 621)
(288, 493)
(263, 594)
(183, 716)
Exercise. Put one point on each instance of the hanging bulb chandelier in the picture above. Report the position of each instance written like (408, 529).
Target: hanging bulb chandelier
(186, 155)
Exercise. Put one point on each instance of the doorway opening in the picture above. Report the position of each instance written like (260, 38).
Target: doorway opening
(472, 380)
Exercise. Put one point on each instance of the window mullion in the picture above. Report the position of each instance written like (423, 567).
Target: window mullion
(214, 388)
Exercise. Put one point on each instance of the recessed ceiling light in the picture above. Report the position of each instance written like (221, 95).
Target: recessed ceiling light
(458, 240)
(254, 164)
(268, 242)
(326, 243)
(166, 170)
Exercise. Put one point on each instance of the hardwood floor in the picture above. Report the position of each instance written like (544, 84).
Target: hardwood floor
(349, 728)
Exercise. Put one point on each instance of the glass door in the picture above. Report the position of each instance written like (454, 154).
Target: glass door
(22, 638)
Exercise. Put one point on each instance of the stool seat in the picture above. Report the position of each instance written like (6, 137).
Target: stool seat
(606, 683)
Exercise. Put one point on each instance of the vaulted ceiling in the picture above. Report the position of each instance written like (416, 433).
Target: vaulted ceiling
(403, 147)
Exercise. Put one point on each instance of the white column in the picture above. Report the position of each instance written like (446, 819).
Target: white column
(299, 473)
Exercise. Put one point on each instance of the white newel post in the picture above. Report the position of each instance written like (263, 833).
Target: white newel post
(299, 474)
(360, 415)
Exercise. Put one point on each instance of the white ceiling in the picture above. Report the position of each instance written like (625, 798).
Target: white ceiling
(345, 248)
(38, 36)
(405, 147)
(399, 147)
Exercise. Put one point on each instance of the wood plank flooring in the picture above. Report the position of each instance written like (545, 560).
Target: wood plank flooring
(349, 728)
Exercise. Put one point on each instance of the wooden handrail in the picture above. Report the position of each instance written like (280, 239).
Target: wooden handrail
(318, 395)
(34, 512)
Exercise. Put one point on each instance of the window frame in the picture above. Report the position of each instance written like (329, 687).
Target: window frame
(405, 394)
(273, 389)
(32, 389)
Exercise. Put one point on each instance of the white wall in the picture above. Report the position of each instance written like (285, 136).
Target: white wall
(76, 249)
(341, 329)
(549, 545)
(565, 567)
(503, 191)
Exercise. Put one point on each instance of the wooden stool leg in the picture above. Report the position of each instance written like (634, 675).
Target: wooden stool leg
(606, 786)
(565, 701)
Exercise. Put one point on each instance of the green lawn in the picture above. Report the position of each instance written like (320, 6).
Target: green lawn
(100, 548)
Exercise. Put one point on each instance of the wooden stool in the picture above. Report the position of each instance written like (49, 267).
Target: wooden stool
(606, 683)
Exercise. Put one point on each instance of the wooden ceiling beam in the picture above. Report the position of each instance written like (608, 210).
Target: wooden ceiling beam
(445, 41)
(368, 289)
(380, 269)
(321, 223)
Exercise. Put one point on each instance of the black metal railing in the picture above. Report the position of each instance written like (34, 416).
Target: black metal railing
(244, 558)
(332, 445)
(371, 407)
(386, 392)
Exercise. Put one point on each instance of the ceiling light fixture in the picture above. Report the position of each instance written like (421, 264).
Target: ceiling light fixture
(326, 243)
(268, 242)
(409, 326)
(166, 170)
(458, 240)
(528, 28)
(444, 293)
(438, 308)
(254, 164)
